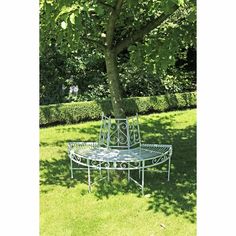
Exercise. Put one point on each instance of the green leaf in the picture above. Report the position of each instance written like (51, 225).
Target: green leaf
(66, 9)
(99, 10)
(180, 2)
(72, 18)
(63, 25)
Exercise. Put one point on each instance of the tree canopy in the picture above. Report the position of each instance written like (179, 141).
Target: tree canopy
(146, 37)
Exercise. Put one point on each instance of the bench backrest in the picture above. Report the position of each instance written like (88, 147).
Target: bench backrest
(119, 133)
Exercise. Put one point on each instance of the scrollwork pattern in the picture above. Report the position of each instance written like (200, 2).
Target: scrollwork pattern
(123, 165)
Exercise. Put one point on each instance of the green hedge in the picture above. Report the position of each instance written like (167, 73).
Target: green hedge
(66, 113)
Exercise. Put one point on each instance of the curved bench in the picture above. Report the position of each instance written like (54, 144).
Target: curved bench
(124, 152)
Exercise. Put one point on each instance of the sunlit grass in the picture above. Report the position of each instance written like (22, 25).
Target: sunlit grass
(116, 208)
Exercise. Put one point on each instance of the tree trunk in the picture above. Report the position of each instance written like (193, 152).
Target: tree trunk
(114, 83)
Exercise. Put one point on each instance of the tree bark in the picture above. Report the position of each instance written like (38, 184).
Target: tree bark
(114, 83)
(111, 51)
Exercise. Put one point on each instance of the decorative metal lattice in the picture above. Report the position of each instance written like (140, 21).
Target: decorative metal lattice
(119, 133)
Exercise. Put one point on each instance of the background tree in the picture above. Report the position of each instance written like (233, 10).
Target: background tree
(150, 32)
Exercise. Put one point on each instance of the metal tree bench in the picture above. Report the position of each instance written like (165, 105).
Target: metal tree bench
(119, 148)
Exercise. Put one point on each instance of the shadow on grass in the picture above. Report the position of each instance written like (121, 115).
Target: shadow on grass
(175, 197)
(92, 130)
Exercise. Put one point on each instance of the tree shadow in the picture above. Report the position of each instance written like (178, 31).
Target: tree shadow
(56, 172)
(178, 196)
(92, 130)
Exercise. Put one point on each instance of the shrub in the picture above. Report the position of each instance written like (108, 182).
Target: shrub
(66, 113)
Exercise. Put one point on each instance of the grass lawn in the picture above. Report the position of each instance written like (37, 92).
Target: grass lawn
(117, 208)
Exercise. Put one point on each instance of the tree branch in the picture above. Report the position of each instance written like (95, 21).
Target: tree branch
(105, 4)
(98, 43)
(147, 28)
(111, 22)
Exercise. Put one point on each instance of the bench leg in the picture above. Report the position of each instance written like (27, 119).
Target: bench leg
(89, 180)
(128, 172)
(143, 177)
(71, 168)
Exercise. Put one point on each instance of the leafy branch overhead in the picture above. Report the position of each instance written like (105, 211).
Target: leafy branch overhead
(151, 32)
(114, 24)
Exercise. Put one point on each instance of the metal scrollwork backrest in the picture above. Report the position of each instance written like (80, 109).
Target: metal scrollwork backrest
(134, 132)
(119, 133)
(104, 129)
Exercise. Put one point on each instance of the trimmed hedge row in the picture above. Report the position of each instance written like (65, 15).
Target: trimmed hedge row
(67, 113)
